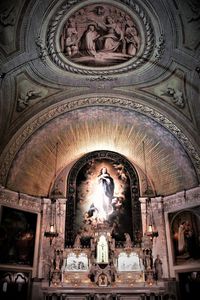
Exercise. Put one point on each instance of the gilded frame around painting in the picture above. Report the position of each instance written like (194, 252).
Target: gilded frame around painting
(184, 233)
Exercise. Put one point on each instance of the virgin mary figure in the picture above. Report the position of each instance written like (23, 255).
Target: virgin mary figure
(104, 196)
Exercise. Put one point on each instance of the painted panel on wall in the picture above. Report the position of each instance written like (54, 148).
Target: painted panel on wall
(185, 232)
(17, 236)
(103, 195)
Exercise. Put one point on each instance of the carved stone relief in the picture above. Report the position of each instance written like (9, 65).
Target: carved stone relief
(9, 13)
(173, 91)
(41, 49)
(28, 93)
(160, 47)
(181, 200)
(17, 200)
(99, 36)
(190, 14)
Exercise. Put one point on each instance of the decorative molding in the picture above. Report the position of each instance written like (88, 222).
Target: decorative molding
(28, 129)
(102, 78)
(185, 199)
(41, 49)
(160, 47)
(141, 59)
(20, 202)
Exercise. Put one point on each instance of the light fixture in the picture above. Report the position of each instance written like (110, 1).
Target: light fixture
(52, 232)
(151, 229)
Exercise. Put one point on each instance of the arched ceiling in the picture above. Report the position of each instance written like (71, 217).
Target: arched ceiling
(101, 128)
(38, 81)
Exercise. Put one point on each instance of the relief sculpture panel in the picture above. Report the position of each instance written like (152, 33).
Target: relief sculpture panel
(100, 35)
(100, 38)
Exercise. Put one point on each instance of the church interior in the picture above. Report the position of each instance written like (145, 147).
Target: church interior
(99, 149)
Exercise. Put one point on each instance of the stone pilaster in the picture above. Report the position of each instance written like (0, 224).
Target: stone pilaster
(160, 242)
(143, 213)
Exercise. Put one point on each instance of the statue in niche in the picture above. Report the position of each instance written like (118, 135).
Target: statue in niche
(55, 270)
(158, 268)
(58, 259)
(147, 259)
(77, 242)
(128, 242)
(102, 250)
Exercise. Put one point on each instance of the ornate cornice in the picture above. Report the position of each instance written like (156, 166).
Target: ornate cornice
(44, 117)
(13, 199)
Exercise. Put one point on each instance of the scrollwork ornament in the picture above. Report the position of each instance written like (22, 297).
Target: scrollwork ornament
(160, 47)
(41, 49)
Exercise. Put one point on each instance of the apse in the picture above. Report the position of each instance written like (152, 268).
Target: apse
(81, 131)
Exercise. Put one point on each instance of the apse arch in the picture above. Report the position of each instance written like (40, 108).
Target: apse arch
(16, 152)
(83, 207)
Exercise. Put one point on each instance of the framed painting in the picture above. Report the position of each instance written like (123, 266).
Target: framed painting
(17, 236)
(189, 285)
(185, 231)
(103, 188)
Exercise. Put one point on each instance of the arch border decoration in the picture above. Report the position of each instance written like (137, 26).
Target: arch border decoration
(58, 109)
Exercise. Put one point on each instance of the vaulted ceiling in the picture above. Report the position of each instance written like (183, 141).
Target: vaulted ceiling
(149, 98)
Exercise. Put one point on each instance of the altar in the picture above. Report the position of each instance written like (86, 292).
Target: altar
(104, 253)
(100, 264)
(103, 270)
